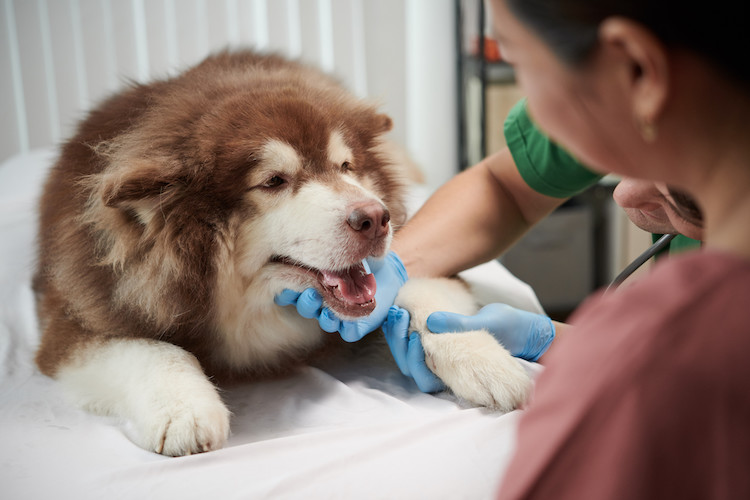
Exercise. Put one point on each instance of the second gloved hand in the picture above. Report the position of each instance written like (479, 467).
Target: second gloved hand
(525, 334)
(408, 352)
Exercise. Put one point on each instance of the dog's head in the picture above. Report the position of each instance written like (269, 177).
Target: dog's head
(290, 186)
(320, 196)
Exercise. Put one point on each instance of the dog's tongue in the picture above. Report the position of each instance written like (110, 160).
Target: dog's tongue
(354, 285)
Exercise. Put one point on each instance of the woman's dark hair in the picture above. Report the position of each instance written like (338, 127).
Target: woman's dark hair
(717, 31)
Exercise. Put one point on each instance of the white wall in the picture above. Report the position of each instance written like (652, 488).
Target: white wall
(59, 57)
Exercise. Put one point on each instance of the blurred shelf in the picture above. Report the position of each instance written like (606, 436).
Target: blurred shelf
(494, 71)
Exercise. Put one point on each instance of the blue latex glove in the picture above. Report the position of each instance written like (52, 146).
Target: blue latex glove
(390, 276)
(525, 334)
(408, 352)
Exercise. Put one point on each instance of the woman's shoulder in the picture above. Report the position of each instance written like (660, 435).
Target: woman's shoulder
(697, 303)
(646, 366)
(681, 281)
(701, 267)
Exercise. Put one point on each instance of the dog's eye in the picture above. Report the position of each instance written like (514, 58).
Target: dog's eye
(274, 182)
(346, 167)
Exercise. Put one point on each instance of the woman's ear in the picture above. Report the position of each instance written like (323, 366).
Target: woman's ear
(649, 75)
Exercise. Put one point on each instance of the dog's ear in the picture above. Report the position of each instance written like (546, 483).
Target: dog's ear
(371, 125)
(383, 123)
(115, 194)
(142, 182)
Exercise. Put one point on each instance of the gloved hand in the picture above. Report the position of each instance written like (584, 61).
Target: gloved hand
(390, 276)
(525, 334)
(408, 352)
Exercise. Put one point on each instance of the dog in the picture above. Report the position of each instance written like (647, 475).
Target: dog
(178, 211)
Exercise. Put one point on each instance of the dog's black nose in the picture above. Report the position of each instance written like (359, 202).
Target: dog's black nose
(370, 220)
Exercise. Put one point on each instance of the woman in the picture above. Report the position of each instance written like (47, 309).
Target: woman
(648, 398)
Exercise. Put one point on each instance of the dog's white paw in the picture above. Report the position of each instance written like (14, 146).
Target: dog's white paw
(159, 389)
(472, 364)
(193, 425)
(478, 369)
(179, 411)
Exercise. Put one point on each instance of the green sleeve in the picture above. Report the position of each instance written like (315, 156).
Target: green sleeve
(546, 167)
(550, 170)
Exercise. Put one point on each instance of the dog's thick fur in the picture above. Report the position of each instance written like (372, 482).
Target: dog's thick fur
(181, 208)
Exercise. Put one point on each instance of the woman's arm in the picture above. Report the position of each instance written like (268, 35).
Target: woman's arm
(473, 218)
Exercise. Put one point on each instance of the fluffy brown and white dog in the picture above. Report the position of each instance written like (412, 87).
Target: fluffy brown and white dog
(181, 208)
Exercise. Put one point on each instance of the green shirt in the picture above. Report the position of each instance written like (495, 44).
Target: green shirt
(550, 170)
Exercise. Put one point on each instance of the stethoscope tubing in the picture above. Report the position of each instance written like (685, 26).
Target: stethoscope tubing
(657, 247)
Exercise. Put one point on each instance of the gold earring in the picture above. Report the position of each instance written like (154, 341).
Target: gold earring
(648, 130)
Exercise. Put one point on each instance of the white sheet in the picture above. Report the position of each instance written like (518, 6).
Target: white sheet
(346, 429)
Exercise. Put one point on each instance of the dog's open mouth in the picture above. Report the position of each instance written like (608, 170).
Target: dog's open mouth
(349, 292)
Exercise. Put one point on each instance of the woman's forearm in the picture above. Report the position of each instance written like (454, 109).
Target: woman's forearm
(562, 330)
(471, 219)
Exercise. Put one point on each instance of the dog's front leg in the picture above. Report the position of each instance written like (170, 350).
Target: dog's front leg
(472, 364)
(158, 387)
